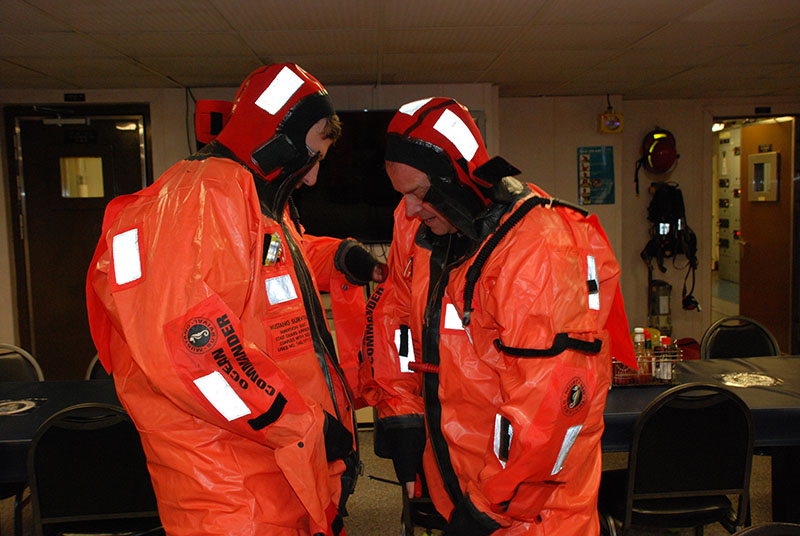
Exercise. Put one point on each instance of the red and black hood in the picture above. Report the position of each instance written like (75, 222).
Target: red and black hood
(439, 137)
(272, 112)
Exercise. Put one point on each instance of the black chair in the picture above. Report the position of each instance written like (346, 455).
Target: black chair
(771, 529)
(691, 448)
(16, 364)
(737, 336)
(96, 371)
(88, 474)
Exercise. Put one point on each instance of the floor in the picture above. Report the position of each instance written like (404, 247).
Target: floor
(375, 508)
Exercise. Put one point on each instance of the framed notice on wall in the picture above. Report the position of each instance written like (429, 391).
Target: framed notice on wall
(596, 175)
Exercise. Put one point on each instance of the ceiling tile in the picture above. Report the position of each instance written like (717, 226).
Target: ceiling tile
(464, 13)
(117, 82)
(16, 77)
(433, 63)
(174, 44)
(551, 59)
(669, 57)
(582, 36)
(487, 39)
(697, 34)
(51, 44)
(722, 11)
(91, 16)
(237, 66)
(312, 42)
(86, 67)
(260, 15)
(616, 11)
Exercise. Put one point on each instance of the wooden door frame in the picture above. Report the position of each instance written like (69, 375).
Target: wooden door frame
(19, 280)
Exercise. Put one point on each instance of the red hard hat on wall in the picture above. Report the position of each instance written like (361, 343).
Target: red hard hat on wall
(659, 153)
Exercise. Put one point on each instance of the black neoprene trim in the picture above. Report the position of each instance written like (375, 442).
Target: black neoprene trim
(561, 342)
(271, 415)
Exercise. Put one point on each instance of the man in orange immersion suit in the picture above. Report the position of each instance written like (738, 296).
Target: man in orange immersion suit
(489, 345)
(203, 302)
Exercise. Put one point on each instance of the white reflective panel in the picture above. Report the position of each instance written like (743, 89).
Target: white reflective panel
(222, 396)
(280, 289)
(279, 91)
(412, 107)
(566, 445)
(127, 260)
(398, 342)
(452, 320)
(453, 128)
(498, 431)
(594, 298)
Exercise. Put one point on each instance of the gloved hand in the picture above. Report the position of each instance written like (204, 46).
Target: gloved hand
(466, 520)
(338, 439)
(406, 445)
(357, 264)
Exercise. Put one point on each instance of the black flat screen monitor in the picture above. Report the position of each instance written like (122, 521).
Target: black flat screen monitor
(353, 196)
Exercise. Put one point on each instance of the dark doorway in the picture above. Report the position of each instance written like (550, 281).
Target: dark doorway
(68, 164)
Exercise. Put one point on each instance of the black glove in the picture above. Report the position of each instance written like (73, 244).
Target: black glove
(405, 445)
(355, 262)
(338, 439)
(466, 520)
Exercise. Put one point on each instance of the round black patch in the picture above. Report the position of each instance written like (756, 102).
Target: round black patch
(573, 397)
(199, 335)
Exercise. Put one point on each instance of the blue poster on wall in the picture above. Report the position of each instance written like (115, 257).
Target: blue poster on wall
(596, 175)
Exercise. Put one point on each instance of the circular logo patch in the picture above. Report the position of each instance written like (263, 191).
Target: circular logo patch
(573, 397)
(199, 335)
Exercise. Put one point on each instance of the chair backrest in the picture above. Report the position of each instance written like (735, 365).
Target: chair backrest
(96, 371)
(771, 529)
(87, 473)
(17, 365)
(695, 439)
(737, 336)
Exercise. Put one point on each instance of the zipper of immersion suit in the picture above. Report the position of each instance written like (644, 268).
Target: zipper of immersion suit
(430, 354)
(316, 315)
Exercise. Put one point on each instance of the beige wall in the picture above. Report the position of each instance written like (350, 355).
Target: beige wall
(538, 135)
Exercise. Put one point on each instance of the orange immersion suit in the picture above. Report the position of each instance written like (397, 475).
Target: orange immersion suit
(513, 401)
(204, 305)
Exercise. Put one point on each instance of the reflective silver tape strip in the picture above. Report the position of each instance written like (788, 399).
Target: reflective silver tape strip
(404, 359)
(453, 128)
(279, 91)
(222, 396)
(412, 107)
(280, 289)
(566, 445)
(127, 260)
(452, 320)
(498, 435)
(594, 297)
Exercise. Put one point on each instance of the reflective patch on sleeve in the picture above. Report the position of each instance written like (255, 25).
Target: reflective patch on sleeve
(127, 260)
(452, 320)
(412, 107)
(503, 432)
(566, 446)
(222, 396)
(280, 289)
(453, 128)
(405, 347)
(279, 91)
(594, 286)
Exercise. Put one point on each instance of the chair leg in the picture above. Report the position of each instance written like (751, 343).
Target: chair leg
(19, 503)
(698, 531)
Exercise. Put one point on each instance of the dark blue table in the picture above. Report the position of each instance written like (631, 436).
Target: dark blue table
(775, 410)
(17, 430)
